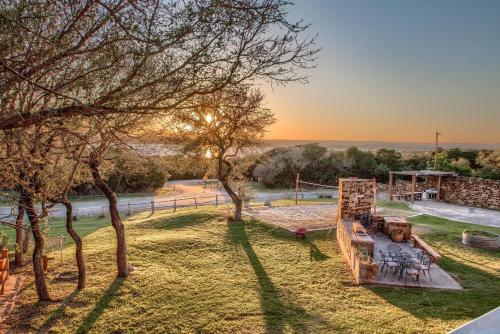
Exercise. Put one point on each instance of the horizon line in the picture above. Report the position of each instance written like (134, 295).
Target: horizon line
(387, 141)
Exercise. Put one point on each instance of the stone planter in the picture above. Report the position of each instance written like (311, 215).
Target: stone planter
(397, 235)
(481, 240)
(364, 271)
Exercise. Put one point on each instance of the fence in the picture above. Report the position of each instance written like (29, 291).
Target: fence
(136, 205)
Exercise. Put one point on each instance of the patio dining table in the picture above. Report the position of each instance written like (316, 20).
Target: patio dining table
(405, 261)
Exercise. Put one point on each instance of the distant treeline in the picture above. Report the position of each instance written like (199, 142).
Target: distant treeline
(315, 163)
(278, 167)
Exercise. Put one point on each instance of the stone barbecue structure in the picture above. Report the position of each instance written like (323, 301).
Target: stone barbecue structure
(363, 236)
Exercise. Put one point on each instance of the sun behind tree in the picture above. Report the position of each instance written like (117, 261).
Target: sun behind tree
(222, 127)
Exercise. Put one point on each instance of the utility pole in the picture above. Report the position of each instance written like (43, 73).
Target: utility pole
(436, 150)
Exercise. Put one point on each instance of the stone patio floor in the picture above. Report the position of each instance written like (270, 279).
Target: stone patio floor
(440, 278)
(312, 216)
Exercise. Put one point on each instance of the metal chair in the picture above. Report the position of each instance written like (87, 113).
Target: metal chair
(425, 265)
(387, 262)
(414, 272)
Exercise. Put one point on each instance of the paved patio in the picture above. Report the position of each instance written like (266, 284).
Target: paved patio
(440, 278)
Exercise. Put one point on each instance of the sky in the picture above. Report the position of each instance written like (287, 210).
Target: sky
(396, 70)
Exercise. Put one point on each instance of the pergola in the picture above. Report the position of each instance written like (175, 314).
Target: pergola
(418, 173)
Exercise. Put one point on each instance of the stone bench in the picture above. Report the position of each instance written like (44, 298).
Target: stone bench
(419, 243)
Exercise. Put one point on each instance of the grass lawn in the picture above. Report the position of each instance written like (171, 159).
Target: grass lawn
(57, 226)
(196, 273)
(394, 205)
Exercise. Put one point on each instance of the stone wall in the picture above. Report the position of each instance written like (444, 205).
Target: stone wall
(355, 196)
(472, 191)
(422, 184)
(464, 190)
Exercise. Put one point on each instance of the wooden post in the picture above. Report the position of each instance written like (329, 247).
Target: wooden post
(152, 207)
(216, 200)
(438, 190)
(175, 205)
(390, 186)
(413, 182)
(61, 242)
(297, 188)
(195, 203)
(436, 151)
(129, 209)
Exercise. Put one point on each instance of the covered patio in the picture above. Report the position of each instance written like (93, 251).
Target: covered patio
(413, 190)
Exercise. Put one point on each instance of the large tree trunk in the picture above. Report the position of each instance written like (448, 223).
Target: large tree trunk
(18, 259)
(40, 284)
(78, 243)
(121, 247)
(238, 205)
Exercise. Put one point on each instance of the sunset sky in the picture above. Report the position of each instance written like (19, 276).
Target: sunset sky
(396, 70)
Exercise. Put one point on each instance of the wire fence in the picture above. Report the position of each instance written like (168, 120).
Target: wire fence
(174, 204)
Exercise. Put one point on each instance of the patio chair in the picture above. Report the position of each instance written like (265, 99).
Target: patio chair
(414, 272)
(388, 262)
(425, 265)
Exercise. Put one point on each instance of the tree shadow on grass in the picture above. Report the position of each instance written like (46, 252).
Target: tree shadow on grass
(57, 313)
(178, 221)
(480, 295)
(277, 313)
(315, 253)
(100, 306)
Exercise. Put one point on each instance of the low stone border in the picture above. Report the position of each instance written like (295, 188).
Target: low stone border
(8, 304)
(480, 241)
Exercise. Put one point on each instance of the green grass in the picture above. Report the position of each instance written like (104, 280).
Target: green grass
(394, 205)
(57, 227)
(259, 187)
(196, 273)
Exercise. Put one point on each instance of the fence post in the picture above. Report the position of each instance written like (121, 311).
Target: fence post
(216, 200)
(175, 205)
(195, 203)
(61, 241)
(102, 212)
(152, 207)
(129, 210)
(297, 189)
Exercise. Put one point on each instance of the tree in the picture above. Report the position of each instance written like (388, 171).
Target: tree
(461, 166)
(106, 60)
(361, 164)
(103, 58)
(490, 164)
(391, 158)
(224, 125)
